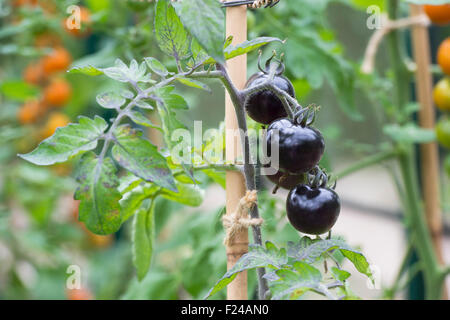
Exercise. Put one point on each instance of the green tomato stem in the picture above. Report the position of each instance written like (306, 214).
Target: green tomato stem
(433, 275)
(367, 162)
(419, 228)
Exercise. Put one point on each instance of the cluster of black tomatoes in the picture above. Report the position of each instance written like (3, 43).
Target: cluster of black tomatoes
(312, 206)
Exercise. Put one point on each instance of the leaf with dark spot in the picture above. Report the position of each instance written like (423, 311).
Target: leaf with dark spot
(99, 207)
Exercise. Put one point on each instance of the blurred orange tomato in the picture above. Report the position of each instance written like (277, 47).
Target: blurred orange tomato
(443, 56)
(48, 6)
(438, 14)
(29, 112)
(61, 169)
(79, 294)
(33, 73)
(58, 93)
(98, 241)
(21, 3)
(59, 60)
(55, 121)
(47, 40)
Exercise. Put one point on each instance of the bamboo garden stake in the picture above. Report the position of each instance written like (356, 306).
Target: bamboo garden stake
(236, 25)
(428, 151)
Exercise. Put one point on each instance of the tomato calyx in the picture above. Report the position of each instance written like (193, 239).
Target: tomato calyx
(305, 117)
(318, 178)
(286, 180)
(273, 65)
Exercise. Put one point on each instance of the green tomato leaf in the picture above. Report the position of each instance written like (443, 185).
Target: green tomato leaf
(310, 251)
(19, 90)
(68, 142)
(118, 73)
(144, 105)
(143, 238)
(170, 123)
(194, 84)
(206, 23)
(99, 206)
(409, 133)
(198, 53)
(316, 60)
(122, 73)
(170, 99)
(294, 283)
(217, 176)
(86, 70)
(128, 182)
(339, 274)
(364, 4)
(142, 120)
(110, 100)
(188, 194)
(257, 257)
(127, 94)
(156, 66)
(140, 157)
(228, 42)
(247, 46)
(132, 199)
(171, 36)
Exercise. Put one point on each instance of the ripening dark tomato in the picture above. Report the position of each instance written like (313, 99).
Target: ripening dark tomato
(312, 210)
(300, 147)
(264, 106)
(286, 180)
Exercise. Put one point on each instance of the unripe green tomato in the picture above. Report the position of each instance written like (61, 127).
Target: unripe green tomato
(447, 165)
(441, 94)
(443, 132)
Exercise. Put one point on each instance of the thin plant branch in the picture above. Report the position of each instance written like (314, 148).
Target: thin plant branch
(387, 26)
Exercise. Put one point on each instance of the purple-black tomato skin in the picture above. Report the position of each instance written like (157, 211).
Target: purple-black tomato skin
(312, 210)
(264, 106)
(300, 148)
(288, 182)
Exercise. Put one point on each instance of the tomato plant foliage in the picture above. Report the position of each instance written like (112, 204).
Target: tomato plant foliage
(291, 270)
(121, 173)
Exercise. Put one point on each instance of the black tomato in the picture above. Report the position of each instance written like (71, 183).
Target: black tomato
(286, 180)
(312, 210)
(264, 106)
(300, 148)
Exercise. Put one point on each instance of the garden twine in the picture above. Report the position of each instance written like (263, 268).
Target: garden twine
(238, 220)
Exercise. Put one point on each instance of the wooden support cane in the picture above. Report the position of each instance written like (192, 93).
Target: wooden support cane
(428, 151)
(236, 25)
